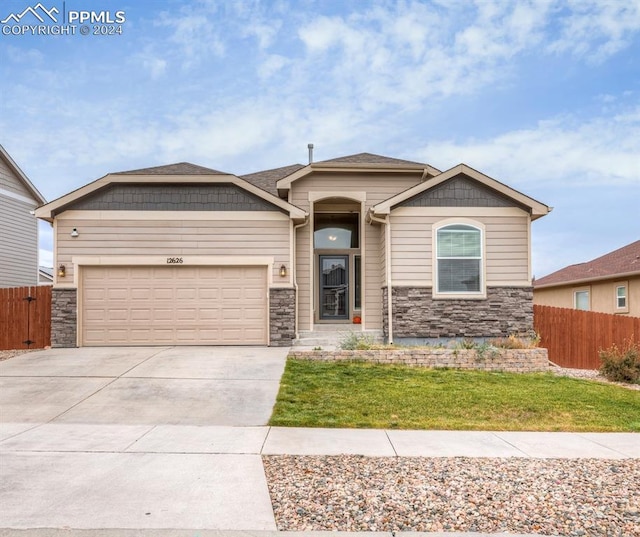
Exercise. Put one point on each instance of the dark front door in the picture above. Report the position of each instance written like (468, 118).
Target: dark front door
(334, 287)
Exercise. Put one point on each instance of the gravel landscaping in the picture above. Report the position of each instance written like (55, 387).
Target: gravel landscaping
(583, 497)
(5, 355)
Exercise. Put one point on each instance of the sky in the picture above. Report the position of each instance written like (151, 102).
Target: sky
(541, 95)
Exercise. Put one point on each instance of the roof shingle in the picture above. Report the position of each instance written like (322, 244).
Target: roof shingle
(370, 158)
(624, 260)
(180, 168)
(266, 180)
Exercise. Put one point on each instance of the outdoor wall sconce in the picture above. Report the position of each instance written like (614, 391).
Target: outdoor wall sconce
(74, 233)
(283, 271)
(62, 271)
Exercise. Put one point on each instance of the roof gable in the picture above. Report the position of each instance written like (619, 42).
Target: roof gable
(620, 262)
(488, 184)
(460, 191)
(195, 177)
(361, 162)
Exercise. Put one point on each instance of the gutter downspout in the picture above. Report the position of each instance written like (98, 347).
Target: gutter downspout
(295, 269)
(387, 247)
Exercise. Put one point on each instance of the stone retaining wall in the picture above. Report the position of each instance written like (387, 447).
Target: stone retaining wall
(511, 360)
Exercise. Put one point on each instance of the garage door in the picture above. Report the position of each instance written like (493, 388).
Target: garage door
(174, 305)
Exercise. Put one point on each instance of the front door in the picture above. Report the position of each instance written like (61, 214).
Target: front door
(334, 287)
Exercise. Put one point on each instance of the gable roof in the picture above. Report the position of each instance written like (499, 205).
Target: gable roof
(536, 208)
(266, 180)
(370, 158)
(183, 172)
(179, 168)
(366, 162)
(624, 261)
(39, 198)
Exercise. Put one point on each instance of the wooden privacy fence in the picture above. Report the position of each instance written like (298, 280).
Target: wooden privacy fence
(574, 338)
(25, 317)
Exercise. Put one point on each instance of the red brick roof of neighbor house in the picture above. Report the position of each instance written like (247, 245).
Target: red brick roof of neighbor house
(180, 168)
(625, 260)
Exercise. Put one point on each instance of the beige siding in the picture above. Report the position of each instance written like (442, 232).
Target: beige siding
(602, 295)
(257, 237)
(378, 187)
(506, 241)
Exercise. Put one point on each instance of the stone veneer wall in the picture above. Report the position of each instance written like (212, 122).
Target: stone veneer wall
(64, 317)
(282, 317)
(416, 314)
(511, 360)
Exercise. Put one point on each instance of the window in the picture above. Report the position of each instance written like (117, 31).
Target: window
(336, 231)
(621, 297)
(459, 259)
(581, 300)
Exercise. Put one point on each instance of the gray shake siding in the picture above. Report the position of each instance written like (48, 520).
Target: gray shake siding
(167, 197)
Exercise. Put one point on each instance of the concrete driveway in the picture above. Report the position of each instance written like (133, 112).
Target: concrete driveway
(234, 386)
(162, 437)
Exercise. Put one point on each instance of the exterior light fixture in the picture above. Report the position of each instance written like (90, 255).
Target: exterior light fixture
(283, 271)
(62, 271)
(74, 233)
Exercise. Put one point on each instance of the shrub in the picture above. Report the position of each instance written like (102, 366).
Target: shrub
(516, 342)
(621, 364)
(354, 341)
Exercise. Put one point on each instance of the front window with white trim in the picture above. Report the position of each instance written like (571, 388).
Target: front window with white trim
(459, 259)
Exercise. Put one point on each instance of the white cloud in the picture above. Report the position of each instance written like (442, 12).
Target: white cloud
(599, 150)
(594, 29)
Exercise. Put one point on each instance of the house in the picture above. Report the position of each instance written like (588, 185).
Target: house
(18, 225)
(186, 255)
(608, 284)
(45, 275)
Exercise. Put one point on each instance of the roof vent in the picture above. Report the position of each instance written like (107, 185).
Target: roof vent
(310, 148)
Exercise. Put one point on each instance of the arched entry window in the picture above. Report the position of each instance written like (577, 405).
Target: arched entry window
(336, 231)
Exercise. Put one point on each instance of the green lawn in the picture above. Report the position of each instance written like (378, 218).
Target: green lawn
(355, 394)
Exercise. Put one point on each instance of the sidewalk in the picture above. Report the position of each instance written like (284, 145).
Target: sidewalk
(80, 480)
(184, 439)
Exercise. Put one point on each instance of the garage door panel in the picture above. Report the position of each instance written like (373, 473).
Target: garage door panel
(174, 305)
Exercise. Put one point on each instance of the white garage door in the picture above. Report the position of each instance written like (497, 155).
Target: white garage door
(173, 305)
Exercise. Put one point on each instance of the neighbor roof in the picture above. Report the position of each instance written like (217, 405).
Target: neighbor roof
(621, 262)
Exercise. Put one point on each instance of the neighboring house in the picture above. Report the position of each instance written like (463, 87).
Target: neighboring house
(608, 284)
(187, 255)
(45, 276)
(18, 225)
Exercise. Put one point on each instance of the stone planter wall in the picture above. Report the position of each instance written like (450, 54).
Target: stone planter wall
(515, 361)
